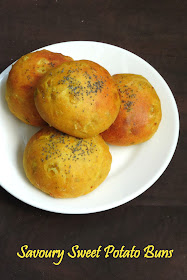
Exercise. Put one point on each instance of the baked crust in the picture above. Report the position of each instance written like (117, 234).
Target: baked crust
(64, 166)
(140, 112)
(23, 79)
(79, 98)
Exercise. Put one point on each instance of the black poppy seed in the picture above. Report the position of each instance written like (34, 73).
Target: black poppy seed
(132, 95)
(128, 105)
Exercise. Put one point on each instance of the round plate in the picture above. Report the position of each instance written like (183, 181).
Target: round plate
(134, 169)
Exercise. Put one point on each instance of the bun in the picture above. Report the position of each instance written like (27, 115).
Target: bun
(140, 111)
(22, 81)
(79, 98)
(64, 166)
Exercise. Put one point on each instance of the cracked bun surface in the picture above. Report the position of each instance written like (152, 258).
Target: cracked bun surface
(64, 166)
(140, 112)
(22, 82)
(79, 98)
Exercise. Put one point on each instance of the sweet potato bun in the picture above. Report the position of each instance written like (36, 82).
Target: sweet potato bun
(140, 111)
(64, 166)
(79, 98)
(22, 81)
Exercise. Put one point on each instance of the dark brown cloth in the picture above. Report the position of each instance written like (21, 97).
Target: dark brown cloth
(155, 31)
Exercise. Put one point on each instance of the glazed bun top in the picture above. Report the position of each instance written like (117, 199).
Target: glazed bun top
(22, 82)
(140, 112)
(65, 166)
(79, 98)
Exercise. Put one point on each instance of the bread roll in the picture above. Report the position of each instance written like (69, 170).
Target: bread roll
(79, 98)
(22, 81)
(64, 166)
(140, 111)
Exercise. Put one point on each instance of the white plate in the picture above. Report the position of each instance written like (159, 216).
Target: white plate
(134, 169)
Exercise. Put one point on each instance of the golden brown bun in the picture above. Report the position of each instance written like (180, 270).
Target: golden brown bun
(22, 81)
(140, 111)
(64, 166)
(79, 98)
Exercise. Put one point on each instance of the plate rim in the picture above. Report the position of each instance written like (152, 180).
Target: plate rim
(150, 182)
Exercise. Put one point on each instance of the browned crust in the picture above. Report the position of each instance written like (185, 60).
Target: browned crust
(23, 79)
(79, 98)
(140, 111)
(64, 166)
